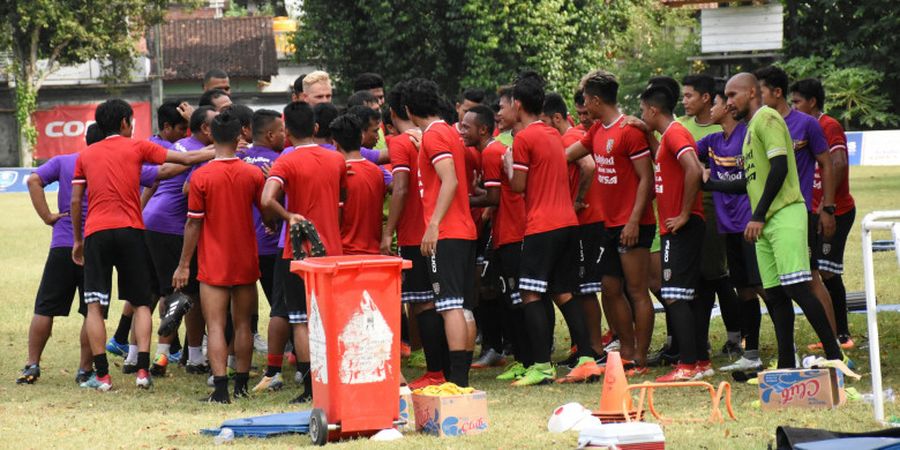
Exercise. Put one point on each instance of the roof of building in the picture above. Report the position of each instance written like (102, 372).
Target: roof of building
(244, 47)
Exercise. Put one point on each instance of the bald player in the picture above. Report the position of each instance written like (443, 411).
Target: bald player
(778, 221)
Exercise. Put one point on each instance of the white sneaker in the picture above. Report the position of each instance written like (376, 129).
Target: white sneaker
(612, 346)
(259, 344)
(298, 377)
(743, 364)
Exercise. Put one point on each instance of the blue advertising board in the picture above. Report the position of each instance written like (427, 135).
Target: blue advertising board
(14, 179)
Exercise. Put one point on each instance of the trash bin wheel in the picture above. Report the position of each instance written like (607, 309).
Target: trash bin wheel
(318, 427)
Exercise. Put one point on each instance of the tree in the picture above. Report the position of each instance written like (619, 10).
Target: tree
(43, 35)
(853, 94)
(399, 39)
(858, 34)
(485, 43)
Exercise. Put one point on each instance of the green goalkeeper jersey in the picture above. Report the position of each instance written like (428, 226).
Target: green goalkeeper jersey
(768, 137)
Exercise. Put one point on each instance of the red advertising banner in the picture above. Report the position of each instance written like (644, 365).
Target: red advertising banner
(61, 129)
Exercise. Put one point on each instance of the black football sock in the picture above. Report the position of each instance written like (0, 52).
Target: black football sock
(815, 314)
(220, 392)
(143, 361)
(538, 330)
(431, 331)
(460, 360)
(101, 365)
(240, 384)
(781, 311)
(683, 331)
(122, 330)
(838, 292)
(730, 305)
(701, 308)
(307, 394)
(175, 347)
(751, 319)
(573, 313)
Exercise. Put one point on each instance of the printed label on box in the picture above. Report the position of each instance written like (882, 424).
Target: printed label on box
(800, 388)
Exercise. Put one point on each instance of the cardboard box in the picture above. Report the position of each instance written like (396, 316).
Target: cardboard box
(452, 415)
(406, 410)
(801, 388)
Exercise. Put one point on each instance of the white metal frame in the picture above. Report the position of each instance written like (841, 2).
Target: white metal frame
(878, 220)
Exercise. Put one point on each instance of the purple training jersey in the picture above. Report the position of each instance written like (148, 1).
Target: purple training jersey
(61, 169)
(161, 142)
(809, 142)
(726, 163)
(260, 156)
(166, 211)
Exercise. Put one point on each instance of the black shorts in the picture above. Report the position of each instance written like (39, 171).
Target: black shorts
(506, 259)
(830, 254)
(124, 249)
(416, 281)
(681, 254)
(714, 262)
(812, 238)
(58, 284)
(549, 262)
(611, 263)
(590, 253)
(289, 292)
(165, 253)
(453, 274)
(266, 275)
(743, 269)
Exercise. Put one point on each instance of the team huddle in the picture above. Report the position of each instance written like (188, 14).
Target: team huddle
(504, 209)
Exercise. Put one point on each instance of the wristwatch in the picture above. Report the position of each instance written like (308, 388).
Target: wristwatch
(828, 209)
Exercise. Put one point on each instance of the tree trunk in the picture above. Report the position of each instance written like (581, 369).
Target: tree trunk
(26, 150)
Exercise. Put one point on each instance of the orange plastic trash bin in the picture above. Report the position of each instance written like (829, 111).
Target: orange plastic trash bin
(353, 305)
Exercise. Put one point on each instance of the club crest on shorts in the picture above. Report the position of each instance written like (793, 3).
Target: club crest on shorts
(667, 274)
(826, 248)
(609, 145)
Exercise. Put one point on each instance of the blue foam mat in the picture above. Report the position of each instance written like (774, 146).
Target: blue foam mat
(265, 426)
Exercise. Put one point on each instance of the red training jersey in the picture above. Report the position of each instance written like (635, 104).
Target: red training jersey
(615, 148)
(837, 142)
(362, 211)
(593, 213)
(312, 178)
(439, 142)
(538, 151)
(112, 170)
(509, 217)
(676, 142)
(405, 158)
(223, 194)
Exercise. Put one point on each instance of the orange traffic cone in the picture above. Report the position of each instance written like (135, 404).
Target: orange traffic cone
(615, 385)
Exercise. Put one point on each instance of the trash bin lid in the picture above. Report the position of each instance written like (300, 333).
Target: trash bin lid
(331, 264)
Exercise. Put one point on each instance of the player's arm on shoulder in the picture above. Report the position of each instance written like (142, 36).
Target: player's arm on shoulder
(190, 158)
(171, 170)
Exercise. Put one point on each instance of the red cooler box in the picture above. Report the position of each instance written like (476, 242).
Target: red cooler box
(353, 304)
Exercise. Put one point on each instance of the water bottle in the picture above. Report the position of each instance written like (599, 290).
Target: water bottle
(888, 396)
(225, 436)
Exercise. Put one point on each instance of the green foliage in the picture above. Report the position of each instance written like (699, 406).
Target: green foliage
(485, 43)
(45, 34)
(859, 34)
(853, 94)
(657, 41)
(26, 103)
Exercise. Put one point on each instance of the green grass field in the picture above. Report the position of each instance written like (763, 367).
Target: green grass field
(55, 413)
